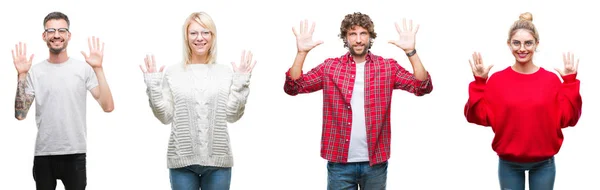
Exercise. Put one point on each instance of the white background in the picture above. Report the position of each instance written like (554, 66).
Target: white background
(276, 143)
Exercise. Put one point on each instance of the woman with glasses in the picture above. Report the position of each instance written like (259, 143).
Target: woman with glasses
(198, 98)
(527, 106)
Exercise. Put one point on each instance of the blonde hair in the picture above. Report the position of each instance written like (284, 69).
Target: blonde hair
(525, 22)
(205, 21)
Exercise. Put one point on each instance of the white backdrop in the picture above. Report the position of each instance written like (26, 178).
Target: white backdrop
(276, 143)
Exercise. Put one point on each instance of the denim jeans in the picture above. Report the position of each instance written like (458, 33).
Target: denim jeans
(541, 175)
(70, 169)
(351, 176)
(195, 177)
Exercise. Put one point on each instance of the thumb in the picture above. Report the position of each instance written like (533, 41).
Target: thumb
(489, 67)
(233, 65)
(31, 58)
(162, 68)
(558, 70)
(84, 55)
(318, 43)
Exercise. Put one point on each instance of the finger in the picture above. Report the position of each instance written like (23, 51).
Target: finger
(162, 68)
(488, 68)
(234, 66)
(17, 52)
(90, 43)
(301, 27)
(479, 58)
(404, 23)
(97, 43)
(471, 64)
(295, 32)
(410, 25)
(249, 60)
(252, 67)
(84, 55)
(142, 69)
(577, 65)
(558, 71)
(572, 62)
(312, 28)
(19, 49)
(153, 63)
(242, 59)
(318, 43)
(147, 61)
(397, 27)
(24, 49)
(102, 48)
(305, 25)
(475, 58)
(417, 28)
(13, 54)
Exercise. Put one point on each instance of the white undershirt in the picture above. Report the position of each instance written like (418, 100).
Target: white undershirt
(358, 151)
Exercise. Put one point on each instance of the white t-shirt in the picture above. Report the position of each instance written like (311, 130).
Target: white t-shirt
(358, 151)
(60, 101)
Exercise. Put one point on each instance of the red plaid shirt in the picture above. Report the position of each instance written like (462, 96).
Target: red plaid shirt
(335, 77)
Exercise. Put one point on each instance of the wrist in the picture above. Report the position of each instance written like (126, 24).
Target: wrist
(22, 76)
(410, 52)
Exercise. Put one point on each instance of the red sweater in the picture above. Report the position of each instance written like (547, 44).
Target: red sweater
(526, 111)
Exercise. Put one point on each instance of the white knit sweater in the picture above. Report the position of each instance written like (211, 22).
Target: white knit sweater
(198, 100)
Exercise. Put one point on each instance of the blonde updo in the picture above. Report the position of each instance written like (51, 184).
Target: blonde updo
(525, 22)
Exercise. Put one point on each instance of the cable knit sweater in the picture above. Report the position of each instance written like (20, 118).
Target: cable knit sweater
(198, 100)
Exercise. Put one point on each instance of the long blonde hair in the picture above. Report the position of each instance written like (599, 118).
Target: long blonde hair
(205, 21)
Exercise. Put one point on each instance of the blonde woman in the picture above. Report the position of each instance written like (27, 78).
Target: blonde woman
(527, 107)
(198, 98)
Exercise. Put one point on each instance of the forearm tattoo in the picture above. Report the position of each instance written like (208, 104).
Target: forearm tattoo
(22, 100)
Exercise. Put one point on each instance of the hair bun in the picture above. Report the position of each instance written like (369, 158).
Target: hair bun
(526, 16)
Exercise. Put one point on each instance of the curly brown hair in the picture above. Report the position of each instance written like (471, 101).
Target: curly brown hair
(357, 19)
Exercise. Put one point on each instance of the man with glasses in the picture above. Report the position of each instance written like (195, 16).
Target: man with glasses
(60, 84)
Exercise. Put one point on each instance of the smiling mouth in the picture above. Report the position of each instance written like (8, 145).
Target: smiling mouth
(522, 55)
(199, 44)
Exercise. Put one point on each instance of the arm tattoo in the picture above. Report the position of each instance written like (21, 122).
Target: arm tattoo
(22, 100)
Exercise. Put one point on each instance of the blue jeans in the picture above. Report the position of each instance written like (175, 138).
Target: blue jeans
(195, 176)
(541, 175)
(351, 176)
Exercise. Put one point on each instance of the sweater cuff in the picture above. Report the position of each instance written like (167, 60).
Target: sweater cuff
(570, 78)
(480, 80)
(153, 79)
(241, 79)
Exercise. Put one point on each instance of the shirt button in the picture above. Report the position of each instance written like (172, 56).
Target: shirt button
(348, 107)
(346, 140)
(352, 76)
(349, 123)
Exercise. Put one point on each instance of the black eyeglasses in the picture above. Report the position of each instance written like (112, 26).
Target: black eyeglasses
(54, 30)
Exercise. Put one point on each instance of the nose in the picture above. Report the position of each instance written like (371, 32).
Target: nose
(522, 48)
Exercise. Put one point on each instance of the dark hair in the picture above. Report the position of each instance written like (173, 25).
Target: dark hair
(525, 22)
(357, 19)
(56, 16)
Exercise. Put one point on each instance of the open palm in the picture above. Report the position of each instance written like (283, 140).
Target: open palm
(407, 35)
(246, 65)
(478, 68)
(96, 52)
(570, 65)
(304, 40)
(19, 54)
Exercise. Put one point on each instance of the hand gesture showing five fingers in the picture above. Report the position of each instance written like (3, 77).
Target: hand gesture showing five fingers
(570, 65)
(478, 68)
(245, 65)
(150, 65)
